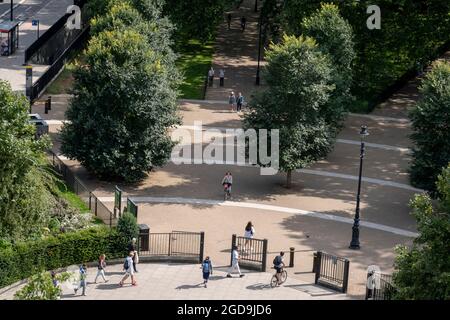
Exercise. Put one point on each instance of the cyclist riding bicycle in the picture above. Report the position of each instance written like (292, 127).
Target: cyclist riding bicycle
(227, 181)
(278, 264)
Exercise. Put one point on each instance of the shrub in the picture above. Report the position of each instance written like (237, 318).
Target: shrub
(23, 259)
(40, 287)
(127, 226)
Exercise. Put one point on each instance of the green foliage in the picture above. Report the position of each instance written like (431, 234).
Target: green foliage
(299, 83)
(23, 259)
(411, 31)
(24, 198)
(423, 271)
(431, 132)
(196, 18)
(125, 101)
(127, 226)
(334, 37)
(40, 287)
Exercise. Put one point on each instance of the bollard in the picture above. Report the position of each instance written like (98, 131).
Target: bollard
(49, 100)
(291, 257)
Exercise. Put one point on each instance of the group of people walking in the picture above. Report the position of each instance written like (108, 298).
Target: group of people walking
(243, 21)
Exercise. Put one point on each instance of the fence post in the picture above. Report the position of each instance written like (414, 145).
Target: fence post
(291, 257)
(90, 200)
(95, 206)
(110, 220)
(346, 274)
(264, 257)
(318, 266)
(170, 240)
(233, 243)
(202, 245)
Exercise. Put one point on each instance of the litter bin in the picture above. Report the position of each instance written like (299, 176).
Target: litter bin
(144, 237)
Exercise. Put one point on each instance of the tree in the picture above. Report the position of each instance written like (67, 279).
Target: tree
(40, 287)
(299, 78)
(431, 128)
(423, 271)
(25, 201)
(127, 226)
(124, 103)
(334, 37)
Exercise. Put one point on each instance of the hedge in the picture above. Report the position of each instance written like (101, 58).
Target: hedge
(23, 259)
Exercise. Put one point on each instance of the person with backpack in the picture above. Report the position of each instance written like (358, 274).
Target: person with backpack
(129, 271)
(239, 102)
(207, 270)
(234, 263)
(278, 264)
(101, 268)
(83, 276)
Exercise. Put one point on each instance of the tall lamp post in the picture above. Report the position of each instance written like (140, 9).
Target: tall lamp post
(256, 5)
(354, 244)
(259, 51)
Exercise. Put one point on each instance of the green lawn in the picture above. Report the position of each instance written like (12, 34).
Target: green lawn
(194, 61)
(73, 200)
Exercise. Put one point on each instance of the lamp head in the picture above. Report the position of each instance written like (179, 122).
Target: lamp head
(364, 132)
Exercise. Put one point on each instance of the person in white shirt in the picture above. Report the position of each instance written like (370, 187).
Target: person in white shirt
(248, 234)
(129, 270)
(211, 76)
(234, 263)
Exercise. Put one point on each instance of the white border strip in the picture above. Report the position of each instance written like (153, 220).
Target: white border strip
(176, 200)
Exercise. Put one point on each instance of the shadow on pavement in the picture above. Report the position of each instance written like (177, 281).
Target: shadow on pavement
(107, 286)
(189, 286)
(259, 286)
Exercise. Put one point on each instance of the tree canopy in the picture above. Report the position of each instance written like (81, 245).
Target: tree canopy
(431, 128)
(423, 271)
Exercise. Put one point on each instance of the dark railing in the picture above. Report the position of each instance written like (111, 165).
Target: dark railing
(98, 208)
(179, 245)
(380, 286)
(40, 85)
(331, 271)
(252, 252)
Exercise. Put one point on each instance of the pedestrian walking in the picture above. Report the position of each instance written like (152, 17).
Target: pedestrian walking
(207, 270)
(234, 263)
(229, 21)
(222, 77)
(239, 102)
(243, 23)
(83, 283)
(211, 76)
(248, 235)
(232, 101)
(101, 268)
(129, 271)
(132, 247)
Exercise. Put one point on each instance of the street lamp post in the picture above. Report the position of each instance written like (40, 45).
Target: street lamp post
(354, 244)
(11, 11)
(256, 5)
(259, 51)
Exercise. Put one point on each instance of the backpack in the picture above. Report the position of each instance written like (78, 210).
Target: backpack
(206, 266)
(277, 261)
(125, 265)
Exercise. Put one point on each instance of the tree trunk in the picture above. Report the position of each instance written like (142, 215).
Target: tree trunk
(288, 179)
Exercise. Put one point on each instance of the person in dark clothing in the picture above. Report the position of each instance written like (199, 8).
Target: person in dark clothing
(243, 23)
(133, 248)
(229, 21)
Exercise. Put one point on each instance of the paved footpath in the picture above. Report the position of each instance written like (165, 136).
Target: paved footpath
(163, 281)
(47, 12)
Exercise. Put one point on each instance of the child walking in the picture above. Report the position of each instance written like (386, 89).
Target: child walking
(206, 270)
(101, 268)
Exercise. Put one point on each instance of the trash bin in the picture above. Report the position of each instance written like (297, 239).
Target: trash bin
(144, 237)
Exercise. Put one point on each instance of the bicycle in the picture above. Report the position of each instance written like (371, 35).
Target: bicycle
(274, 281)
(227, 193)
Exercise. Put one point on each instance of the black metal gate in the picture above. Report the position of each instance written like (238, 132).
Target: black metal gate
(379, 286)
(331, 271)
(252, 252)
(178, 244)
